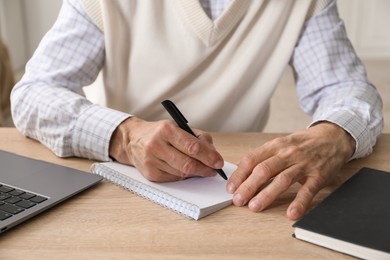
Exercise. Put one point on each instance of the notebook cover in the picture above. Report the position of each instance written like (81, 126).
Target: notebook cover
(358, 212)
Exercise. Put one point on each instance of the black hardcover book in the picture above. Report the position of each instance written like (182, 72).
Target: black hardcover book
(354, 219)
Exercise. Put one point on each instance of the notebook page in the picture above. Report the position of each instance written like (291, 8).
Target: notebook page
(203, 192)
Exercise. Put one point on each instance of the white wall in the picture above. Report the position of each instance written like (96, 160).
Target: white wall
(23, 23)
(367, 23)
(39, 16)
(12, 31)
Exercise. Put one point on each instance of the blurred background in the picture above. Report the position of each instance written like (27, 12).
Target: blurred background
(24, 22)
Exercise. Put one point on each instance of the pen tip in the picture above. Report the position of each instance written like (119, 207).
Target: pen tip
(222, 174)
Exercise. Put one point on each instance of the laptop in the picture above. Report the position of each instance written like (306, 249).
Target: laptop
(29, 187)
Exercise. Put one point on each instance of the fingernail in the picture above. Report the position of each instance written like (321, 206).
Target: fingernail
(255, 205)
(294, 213)
(231, 188)
(238, 200)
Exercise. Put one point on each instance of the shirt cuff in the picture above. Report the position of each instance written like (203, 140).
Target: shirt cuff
(93, 131)
(355, 126)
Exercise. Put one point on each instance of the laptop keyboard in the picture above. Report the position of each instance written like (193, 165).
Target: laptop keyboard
(13, 201)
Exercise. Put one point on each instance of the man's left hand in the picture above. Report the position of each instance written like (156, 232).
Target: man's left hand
(311, 157)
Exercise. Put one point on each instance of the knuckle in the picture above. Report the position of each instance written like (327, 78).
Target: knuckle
(264, 169)
(165, 127)
(193, 147)
(166, 124)
(279, 141)
(307, 191)
(283, 180)
(238, 177)
(289, 153)
(149, 145)
(188, 167)
(248, 161)
(288, 148)
(292, 151)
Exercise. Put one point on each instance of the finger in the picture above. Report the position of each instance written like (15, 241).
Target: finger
(303, 199)
(183, 165)
(263, 172)
(200, 150)
(164, 173)
(244, 170)
(159, 148)
(177, 163)
(249, 162)
(271, 192)
(156, 170)
(157, 175)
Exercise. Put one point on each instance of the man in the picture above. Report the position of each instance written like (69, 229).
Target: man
(220, 62)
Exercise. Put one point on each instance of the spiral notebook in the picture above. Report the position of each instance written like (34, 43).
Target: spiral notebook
(195, 197)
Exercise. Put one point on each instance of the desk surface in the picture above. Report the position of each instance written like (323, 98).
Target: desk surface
(107, 222)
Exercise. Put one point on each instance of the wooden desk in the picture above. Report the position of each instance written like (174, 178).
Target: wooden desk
(107, 222)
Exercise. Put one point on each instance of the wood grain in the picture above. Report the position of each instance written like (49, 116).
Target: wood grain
(108, 222)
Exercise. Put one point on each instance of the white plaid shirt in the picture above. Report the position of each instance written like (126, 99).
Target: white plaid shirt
(331, 84)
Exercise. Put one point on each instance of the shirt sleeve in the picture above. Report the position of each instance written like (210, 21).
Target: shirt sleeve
(48, 103)
(331, 81)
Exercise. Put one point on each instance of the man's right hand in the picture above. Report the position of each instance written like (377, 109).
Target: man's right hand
(162, 151)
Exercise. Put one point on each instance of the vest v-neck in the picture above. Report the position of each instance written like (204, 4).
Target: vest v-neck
(207, 30)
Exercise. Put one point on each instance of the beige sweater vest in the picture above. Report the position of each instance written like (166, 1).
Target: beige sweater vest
(220, 73)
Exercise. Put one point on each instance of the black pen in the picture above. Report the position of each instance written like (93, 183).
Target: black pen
(181, 121)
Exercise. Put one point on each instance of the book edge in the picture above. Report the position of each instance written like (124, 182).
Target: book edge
(210, 210)
(339, 245)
